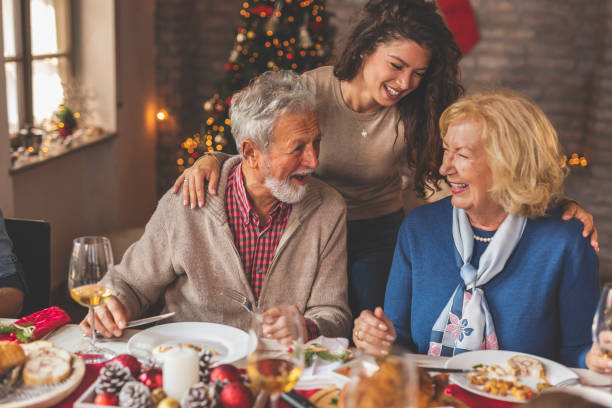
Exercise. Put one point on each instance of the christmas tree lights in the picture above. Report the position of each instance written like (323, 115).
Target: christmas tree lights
(272, 35)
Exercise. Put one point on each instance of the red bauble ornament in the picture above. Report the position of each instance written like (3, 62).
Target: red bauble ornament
(225, 372)
(236, 395)
(289, 56)
(128, 361)
(228, 66)
(106, 398)
(152, 378)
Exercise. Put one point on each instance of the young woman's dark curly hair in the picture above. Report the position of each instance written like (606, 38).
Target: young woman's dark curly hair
(416, 20)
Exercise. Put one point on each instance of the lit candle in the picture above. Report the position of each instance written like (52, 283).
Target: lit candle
(181, 371)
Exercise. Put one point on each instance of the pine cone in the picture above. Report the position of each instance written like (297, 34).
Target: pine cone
(112, 378)
(201, 395)
(205, 363)
(135, 394)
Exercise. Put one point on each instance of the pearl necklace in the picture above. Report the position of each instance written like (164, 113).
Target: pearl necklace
(482, 239)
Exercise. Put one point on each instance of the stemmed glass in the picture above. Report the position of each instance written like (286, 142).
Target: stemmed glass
(393, 384)
(274, 368)
(603, 320)
(90, 261)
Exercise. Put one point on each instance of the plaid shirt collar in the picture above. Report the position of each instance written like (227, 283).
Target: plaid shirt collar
(244, 206)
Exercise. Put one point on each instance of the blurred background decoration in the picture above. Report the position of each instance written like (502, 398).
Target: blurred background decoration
(271, 35)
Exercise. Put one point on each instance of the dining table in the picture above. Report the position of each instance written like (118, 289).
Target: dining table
(593, 386)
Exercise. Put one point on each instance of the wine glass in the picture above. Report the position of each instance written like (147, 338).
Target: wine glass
(391, 382)
(272, 367)
(603, 320)
(90, 261)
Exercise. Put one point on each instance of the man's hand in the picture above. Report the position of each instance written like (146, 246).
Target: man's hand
(111, 319)
(192, 180)
(374, 333)
(284, 324)
(573, 210)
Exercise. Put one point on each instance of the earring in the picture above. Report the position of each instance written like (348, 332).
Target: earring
(361, 56)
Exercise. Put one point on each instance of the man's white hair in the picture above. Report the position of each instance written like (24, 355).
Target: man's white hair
(255, 109)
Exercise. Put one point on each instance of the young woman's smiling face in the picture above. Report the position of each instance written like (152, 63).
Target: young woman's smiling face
(392, 71)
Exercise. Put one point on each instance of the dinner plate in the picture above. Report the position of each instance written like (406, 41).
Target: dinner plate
(42, 396)
(555, 372)
(229, 343)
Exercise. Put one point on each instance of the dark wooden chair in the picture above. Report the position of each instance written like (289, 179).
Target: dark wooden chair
(32, 245)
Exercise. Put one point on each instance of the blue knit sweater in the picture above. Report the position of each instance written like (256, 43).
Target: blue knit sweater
(542, 303)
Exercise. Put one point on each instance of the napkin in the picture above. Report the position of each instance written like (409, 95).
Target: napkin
(320, 373)
(43, 321)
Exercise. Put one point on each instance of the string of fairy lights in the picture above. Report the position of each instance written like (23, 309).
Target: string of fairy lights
(272, 35)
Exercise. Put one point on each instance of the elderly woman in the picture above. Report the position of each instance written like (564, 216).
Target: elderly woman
(493, 266)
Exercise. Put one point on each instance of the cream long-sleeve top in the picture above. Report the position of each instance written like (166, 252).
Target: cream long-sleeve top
(185, 257)
(361, 153)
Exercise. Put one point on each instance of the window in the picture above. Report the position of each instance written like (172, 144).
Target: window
(37, 58)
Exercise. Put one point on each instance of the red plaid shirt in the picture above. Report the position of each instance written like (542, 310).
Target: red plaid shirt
(256, 244)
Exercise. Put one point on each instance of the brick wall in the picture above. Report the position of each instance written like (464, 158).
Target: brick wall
(559, 53)
(194, 39)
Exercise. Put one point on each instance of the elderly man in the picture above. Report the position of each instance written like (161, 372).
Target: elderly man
(273, 233)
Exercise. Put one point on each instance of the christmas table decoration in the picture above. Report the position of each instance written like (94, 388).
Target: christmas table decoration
(34, 326)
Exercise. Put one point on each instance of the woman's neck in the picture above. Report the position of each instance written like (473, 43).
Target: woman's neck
(356, 96)
(487, 221)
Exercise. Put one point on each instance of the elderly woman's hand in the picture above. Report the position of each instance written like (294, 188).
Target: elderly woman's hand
(596, 360)
(571, 209)
(192, 179)
(374, 332)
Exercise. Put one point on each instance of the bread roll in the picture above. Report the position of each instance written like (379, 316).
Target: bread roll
(11, 355)
(45, 370)
(29, 348)
(521, 365)
(50, 351)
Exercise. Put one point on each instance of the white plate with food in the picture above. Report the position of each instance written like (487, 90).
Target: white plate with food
(42, 377)
(226, 343)
(502, 375)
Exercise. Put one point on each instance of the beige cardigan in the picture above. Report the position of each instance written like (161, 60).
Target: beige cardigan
(185, 257)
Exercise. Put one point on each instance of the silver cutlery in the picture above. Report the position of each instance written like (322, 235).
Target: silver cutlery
(147, 320)
(568, 382)
(140, 322)
(240, 298)
(447, 370)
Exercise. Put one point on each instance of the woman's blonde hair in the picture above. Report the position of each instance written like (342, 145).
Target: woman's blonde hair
(522, 148)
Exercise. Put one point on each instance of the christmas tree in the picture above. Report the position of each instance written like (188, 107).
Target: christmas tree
(272, 35)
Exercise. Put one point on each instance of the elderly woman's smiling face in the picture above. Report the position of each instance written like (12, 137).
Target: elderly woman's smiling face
(466, 169)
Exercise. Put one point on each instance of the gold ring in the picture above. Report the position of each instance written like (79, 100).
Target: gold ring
(357, 335)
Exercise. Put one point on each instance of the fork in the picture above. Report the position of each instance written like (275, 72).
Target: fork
(240, 298)
(568, 382)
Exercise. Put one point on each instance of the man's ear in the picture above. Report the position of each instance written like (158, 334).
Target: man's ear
(251, 153)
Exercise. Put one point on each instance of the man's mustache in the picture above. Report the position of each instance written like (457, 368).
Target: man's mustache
(302, 173)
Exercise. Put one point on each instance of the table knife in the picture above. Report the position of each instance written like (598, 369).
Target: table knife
(448, 370)
(295, 400)
(148, 320)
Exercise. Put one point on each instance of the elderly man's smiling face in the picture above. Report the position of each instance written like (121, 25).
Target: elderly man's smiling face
(292, 156)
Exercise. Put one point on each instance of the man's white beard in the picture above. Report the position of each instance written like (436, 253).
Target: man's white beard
(283, 190)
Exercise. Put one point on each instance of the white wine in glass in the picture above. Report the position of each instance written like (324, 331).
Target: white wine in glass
(273, 367)
(603, 320)
(90, 261)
